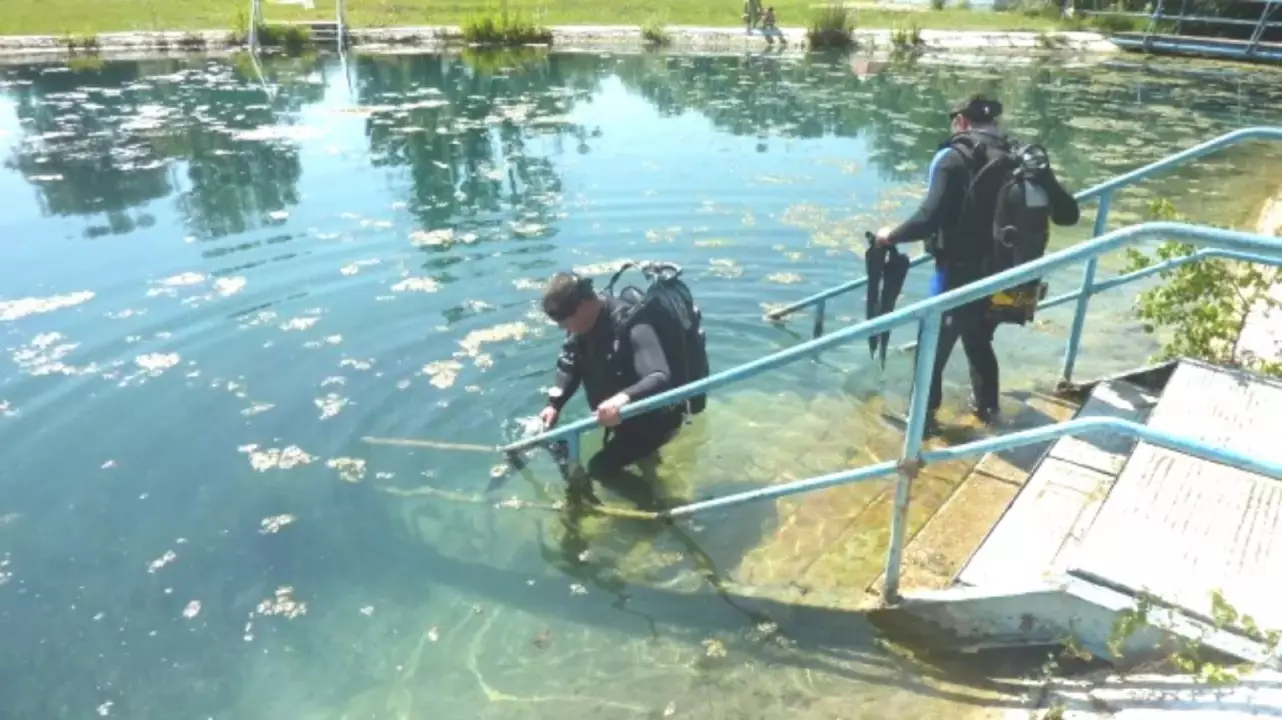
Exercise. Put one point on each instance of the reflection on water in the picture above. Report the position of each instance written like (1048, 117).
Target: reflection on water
(211, 292)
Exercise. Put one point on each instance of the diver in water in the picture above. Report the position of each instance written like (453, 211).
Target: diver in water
(619, 359)
(976, 173)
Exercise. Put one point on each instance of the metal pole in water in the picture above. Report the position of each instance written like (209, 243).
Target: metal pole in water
(819, 317)
(253, 24)
(925, 365)
(1088, 282)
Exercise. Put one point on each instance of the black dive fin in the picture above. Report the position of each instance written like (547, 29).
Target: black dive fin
(874, 264)
(892, 284)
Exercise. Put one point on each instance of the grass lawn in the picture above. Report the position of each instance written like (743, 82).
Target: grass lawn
(78, 17)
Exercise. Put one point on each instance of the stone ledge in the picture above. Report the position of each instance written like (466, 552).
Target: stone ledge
(587, 37)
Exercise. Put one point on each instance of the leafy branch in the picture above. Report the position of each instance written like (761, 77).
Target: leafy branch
(1203, 306)
(1189, 656)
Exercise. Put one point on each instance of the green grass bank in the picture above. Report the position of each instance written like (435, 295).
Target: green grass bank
(76, 17)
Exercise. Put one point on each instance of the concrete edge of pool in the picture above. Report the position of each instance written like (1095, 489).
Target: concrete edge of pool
(585, 37)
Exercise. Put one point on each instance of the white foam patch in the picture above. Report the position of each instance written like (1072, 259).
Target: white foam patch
(22, 307)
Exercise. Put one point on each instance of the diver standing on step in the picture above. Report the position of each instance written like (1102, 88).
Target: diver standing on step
(624, 348)
(988, 208)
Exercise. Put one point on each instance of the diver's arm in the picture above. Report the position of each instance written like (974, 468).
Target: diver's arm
(568, 376)
(650, 363)
(947, 187)
(1064, 208)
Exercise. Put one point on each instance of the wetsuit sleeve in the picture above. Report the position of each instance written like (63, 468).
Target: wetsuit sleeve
(568, 375)
(650, 363)
(943, 199)
(1064, 208)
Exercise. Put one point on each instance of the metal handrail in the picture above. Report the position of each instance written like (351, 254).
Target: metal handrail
(1069, 428)
(929, 313)
(1203, 254)
(1104, 192)
(1104, 188)
(1214, 238)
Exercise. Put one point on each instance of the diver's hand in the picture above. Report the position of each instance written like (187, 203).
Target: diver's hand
(607, 413)
(548, 416)
(883, 236)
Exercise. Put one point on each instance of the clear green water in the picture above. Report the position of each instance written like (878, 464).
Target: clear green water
(197, 275)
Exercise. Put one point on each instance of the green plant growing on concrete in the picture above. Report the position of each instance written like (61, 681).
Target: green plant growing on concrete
(1203, 306)
(833, 27)
(504, 29)
(1128, 622)
(936, 4)
(1189, 657)
(79, 43)
(293, 39)
(654, 33)
(906, 38)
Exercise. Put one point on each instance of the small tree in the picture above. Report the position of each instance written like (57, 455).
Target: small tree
(1203, 306)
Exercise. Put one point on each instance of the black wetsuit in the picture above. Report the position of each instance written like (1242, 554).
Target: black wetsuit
(961, 263)
(606, 365)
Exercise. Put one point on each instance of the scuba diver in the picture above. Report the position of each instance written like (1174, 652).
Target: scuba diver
(988, 208)
(624, 348)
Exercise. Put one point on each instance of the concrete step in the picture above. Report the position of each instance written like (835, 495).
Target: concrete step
(949, 537)
(1059, 501)
(1183, 528)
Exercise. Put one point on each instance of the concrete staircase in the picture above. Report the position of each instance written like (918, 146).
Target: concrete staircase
(1100, 520)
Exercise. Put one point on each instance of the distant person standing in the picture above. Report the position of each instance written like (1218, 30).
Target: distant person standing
(770, 27)
(751, 10)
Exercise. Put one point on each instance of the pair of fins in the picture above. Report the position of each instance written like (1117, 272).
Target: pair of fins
(887, 269)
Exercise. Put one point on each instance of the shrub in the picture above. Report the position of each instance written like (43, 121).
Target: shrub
(295, 39)
(832, 27)
(906, 38)
(654, 34)
(505, 29)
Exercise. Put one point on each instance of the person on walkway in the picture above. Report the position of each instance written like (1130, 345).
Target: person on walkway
(617, 364)
(956, 219)
(751, 11)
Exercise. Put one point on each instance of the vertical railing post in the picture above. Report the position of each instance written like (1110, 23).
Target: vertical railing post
(1088, 282)
(253, 24)
(1260, 27)
(820, 307)
(572, 452)
(927, 343)
(341, 20)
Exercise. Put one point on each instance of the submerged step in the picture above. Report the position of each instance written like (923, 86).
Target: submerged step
(933, 556)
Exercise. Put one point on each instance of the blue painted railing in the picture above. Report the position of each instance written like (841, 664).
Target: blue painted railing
(1104, 192)
(928, 313)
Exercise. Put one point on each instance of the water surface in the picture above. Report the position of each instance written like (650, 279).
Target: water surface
(212, 285)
